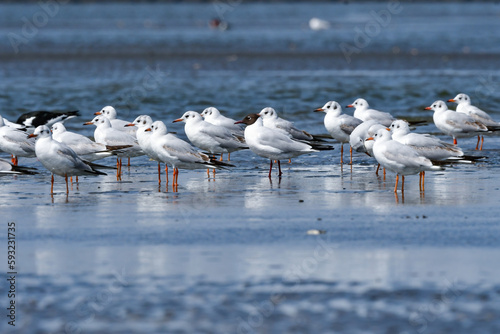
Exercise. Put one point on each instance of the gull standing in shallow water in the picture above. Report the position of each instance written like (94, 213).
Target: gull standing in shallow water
(426, 145)
(464, 106)
(83, 146)
(401, 159)
(179, 153)
(274, 144)
(58, 158)
(340, 126)
(211, 138)
(142, 123)
(455, 124)
(107, 135)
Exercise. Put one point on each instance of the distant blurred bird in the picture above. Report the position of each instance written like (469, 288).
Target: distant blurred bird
(218, 24)
(318, 24)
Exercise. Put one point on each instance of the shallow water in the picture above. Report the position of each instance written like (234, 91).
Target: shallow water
(232, 254)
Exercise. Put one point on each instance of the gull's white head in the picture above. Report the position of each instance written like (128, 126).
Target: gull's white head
(142, 121)
(107, 111)
(41, 131)
(2, 123)
(159, 128)
(359, 104)
(400, 127)
(437, 106)
(58, 128)
(461, 99)
(331, 107)
(381, 135)
(210, 113)
(268, 113)
(189, 116)
(99, 121)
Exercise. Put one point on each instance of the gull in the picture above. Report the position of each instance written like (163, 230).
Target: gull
(359, 135)
(209, 137)
(363, 112)
(107, 135)
(58, 158)
(15, 142)
(340, 126)
(399, 158)
(426, 145)
(36, 118)
(464, 106)
(177, 152)
(274, 144)
(7, 168)
(212, 115)
(271, 120)
(110, 113)
(14, 125)
(143, 124)
(455, 124)
(84, 147)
